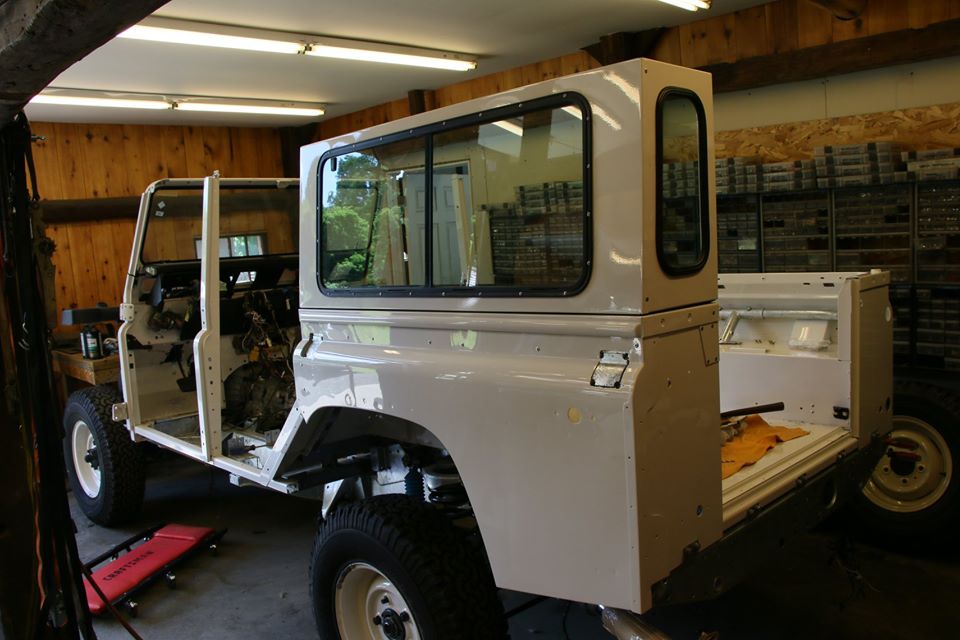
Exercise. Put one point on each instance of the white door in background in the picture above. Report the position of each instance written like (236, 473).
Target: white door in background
(448, 180)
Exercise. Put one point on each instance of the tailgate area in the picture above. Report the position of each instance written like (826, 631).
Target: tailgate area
(820, 343)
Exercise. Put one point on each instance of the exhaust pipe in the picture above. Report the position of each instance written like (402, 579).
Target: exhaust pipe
(624, 625)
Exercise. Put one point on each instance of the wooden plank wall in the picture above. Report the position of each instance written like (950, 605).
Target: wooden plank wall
(460, 92)
(78, 161)
(175, 239)
(789, 25)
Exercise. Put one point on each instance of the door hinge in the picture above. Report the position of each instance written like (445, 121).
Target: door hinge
(609, 371)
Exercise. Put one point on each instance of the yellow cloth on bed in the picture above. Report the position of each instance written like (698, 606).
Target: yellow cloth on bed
(756, 438)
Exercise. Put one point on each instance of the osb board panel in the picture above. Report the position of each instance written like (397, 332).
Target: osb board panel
(919, 128)
(78, 161)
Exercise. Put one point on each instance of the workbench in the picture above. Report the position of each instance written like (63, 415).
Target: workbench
(74, 371)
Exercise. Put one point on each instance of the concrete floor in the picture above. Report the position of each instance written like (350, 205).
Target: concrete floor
(256, 587)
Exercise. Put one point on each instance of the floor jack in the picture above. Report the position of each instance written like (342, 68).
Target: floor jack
(132, 568)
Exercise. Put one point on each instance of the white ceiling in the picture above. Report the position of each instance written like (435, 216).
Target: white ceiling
(502, 34)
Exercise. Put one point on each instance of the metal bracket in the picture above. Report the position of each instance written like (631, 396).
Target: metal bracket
(127, 312)
(118, 412)
(609, 371)
(333, 492)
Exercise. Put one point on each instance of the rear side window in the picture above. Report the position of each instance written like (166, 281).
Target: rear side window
(682, 202)
(371, 231)
(494, 203)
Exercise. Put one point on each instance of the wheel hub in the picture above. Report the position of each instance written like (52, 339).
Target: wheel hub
(86, 458)
(915, 471)
(92, 458)
(369, 605)
(392, 623)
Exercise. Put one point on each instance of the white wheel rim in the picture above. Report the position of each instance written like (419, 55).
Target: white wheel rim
(370, 607)
(83, 443)
(916, 485)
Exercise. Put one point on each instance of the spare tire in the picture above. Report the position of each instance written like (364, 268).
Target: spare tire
(913, 491)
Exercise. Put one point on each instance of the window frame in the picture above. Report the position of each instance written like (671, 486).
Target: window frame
(705, 205)
(427, 132)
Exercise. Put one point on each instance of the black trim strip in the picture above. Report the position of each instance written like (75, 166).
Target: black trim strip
(427, 214)
(684, 270)
(559, 100)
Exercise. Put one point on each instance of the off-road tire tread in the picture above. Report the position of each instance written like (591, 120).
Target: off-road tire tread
(122, 474)
(452, 574)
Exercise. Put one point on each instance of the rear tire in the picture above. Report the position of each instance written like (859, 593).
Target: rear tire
(394, 567)
(914, 492)
(104, 466)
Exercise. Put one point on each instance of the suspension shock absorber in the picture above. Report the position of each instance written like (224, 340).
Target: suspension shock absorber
(413, 483)
(444, 484)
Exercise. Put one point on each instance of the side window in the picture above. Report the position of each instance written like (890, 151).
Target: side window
(682, 202)
(508, 202)
(371, 228)
(492, 203)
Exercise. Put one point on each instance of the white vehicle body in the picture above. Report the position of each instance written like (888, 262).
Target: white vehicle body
(583, 423)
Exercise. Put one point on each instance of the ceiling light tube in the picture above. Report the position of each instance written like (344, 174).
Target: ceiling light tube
(174, 31)
(87, 101)
(683, 4)
(206, 39)
(90, 98)
(213, 107)
(441, 61)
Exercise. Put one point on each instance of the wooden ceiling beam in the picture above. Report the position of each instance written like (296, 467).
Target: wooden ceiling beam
(39, 39)
(939, 40)
(843, 9)
(621, 46)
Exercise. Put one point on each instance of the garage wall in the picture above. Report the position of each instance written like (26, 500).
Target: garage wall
(80, 161)
(913, 104)
(917, 105)
(460, 92)
(790, 25)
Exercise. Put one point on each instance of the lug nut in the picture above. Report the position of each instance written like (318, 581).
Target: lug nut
(404, 616)
(377, 621)
(384, 600)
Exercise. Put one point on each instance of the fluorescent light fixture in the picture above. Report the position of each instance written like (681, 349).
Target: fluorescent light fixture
(389, 57)
(689, 5)
(87, 101)
(247, 108)
(173, 31)
(508, 126)
(202, 39)
(88, 98)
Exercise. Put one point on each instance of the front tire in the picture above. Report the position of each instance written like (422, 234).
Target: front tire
(914, 492)
(394, 568)
(105, 468)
